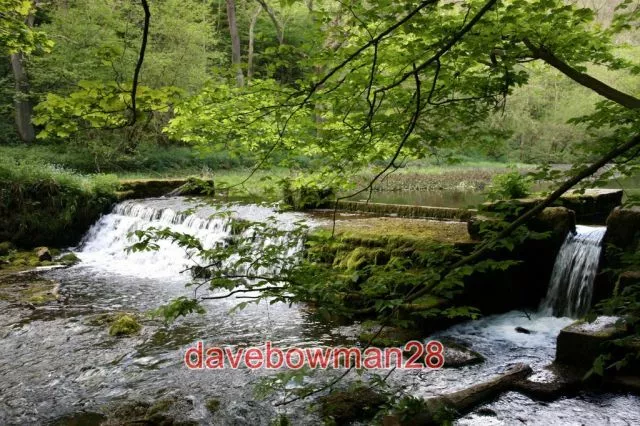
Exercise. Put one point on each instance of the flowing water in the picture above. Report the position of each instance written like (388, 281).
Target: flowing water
(571, 286)
(57, 361)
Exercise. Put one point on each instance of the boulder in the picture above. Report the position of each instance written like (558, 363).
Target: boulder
(627, 279)
(623, 228)
(43, 254)
(559, 220)
(457, 355)
(580, 343)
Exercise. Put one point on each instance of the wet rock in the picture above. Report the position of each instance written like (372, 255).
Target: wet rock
(457, 355)
(68, 259)
(523, 330)
(347, 406)
(559, 220)
(623, 228)
(43, 254)
(241, 413)
(590, 206)
(167, 411)
(581, 342)
(487, 412)
(627, 279)
(82, 418)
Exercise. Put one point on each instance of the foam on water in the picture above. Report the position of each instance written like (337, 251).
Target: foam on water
(104, 246)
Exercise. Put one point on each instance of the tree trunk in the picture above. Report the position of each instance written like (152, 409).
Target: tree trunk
(274, 19)
(235, 42)
(252, 25)
(23, 107)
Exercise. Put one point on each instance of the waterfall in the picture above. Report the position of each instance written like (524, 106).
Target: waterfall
(571, 286)
(104, 246)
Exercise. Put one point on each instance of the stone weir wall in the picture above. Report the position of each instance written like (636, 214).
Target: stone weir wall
(405, 210)
(364, 245)
(148, 188)
(591, 207)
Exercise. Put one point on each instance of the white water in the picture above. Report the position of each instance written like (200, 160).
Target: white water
(104, 246)
(571, 285)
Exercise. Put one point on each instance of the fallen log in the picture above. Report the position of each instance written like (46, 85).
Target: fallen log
(441, 408)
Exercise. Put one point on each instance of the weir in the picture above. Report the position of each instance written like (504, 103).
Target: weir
(571, 285)
(105, 244)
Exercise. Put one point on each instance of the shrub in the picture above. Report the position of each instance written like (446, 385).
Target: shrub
(510, 185)
(46, 205)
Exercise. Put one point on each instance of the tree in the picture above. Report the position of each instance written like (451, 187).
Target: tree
(236, 55)
(18, 39)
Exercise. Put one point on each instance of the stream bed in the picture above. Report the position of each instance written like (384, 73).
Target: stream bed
(57, 362)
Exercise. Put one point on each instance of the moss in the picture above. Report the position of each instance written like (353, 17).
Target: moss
(124, 325)
(213, 405)
(6, 247)
(27, 288)
(410, 230)
(68, 259)
(360, 257)
(160, 406)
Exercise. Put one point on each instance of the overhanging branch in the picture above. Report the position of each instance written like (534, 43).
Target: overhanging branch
(601, 88)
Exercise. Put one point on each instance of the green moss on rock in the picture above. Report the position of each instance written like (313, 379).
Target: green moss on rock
(213, 405)
(124, 325)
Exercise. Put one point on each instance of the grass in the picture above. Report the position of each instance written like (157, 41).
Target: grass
(42, 204)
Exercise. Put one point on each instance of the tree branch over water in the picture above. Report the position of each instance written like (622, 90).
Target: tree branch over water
(601, 88)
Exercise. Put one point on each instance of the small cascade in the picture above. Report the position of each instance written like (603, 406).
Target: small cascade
(571, 286)
(104, 246)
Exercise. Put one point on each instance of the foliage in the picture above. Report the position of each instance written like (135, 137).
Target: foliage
(509, 186)
(45, 205)
(623, 351)
(16, 35)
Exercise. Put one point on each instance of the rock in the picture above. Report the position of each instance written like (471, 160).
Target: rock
(347, 406)
(580, 343)
(457, 355)
(626, 279)
(623, 228)
(594, 204)
(559, 220)
(43, 254)
(591, 206)
(523, 330)
(68, 259)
